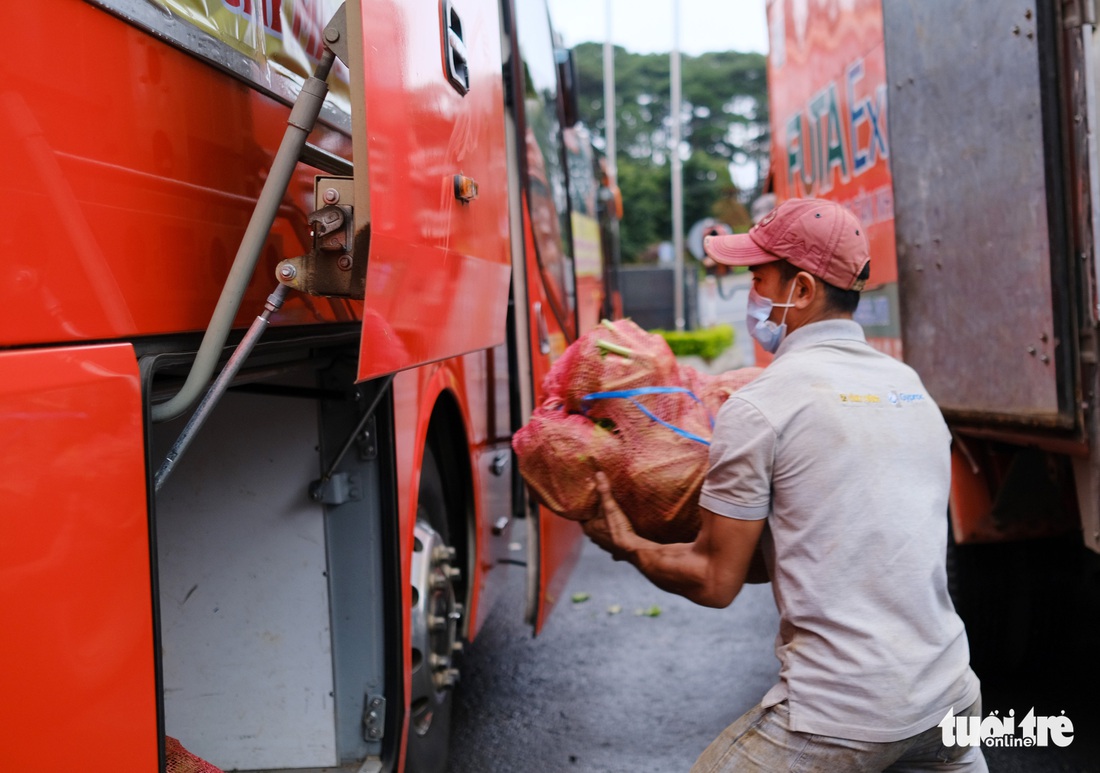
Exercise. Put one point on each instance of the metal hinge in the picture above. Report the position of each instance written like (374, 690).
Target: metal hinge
(1077, 13)
(336, 34)
(341, 487)
(336, 488)
(455, 50)
(336, 265)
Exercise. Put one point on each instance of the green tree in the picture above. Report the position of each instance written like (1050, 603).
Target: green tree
(726, 119)
(647, 214)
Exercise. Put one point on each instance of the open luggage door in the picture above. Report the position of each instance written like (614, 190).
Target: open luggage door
(431, 204)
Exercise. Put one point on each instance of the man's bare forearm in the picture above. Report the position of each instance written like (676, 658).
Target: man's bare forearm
(678, 568)
(709, 571)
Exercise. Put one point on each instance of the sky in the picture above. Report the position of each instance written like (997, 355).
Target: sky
(645, 26)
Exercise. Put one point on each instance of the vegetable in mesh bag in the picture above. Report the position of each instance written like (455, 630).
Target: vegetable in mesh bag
(559, 454)
(179, 760)
(652, 443)
(657, 484)
(615, 356)
(716, 389)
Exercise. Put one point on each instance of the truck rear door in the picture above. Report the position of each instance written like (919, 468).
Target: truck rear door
(980, 194)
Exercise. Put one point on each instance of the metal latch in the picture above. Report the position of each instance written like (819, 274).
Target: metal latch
(340, 488)
(336, 264)
(374, 718)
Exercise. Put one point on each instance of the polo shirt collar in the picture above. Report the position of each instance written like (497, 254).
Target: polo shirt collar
(820, 332)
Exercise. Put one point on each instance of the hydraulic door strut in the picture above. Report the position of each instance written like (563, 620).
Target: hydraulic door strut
(303, 117)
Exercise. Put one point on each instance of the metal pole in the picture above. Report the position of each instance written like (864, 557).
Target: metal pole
(221, 383)
(609, 99)
(677, 173)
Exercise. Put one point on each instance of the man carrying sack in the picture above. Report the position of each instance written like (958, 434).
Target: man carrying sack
(842, 453)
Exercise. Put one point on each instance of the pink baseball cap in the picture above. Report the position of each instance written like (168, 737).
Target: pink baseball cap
(815, 235)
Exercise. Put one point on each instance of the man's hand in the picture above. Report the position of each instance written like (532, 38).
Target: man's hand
(709, 571)
(611, 529)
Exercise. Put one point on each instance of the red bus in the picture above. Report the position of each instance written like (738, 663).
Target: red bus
(273, 547)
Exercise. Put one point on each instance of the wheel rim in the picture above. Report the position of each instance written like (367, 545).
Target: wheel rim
(435, 624)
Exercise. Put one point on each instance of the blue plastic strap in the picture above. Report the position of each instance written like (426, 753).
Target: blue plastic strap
(630, 394)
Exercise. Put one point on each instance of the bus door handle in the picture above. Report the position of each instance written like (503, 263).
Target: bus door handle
(544, 331)
(455, 50)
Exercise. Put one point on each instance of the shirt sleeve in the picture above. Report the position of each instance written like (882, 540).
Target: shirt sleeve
(742, 452)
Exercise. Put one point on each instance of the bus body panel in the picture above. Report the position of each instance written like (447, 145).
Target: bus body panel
(116, 199)
(74, 561)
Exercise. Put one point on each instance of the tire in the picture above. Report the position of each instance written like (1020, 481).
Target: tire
(436, 622)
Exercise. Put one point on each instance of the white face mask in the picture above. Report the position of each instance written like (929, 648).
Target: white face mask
(768, 334)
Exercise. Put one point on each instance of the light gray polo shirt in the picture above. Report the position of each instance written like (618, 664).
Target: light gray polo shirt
(841, 448)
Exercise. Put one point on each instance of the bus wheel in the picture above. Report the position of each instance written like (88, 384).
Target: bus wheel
(436, 622)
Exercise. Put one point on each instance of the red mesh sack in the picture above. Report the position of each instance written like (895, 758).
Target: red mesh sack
(661, 473)
(693, 379)
(652, 445)
(182, 761)
(559, 454)
(556, 380)
(615, 356)
(716, 389)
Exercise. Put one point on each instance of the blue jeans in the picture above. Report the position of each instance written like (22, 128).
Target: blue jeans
(759, 742)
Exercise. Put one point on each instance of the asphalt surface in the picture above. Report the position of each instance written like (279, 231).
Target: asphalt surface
(606, 692)
(608, 689)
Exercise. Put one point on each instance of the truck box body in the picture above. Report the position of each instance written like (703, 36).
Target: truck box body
(961, 136)
(994, 164)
